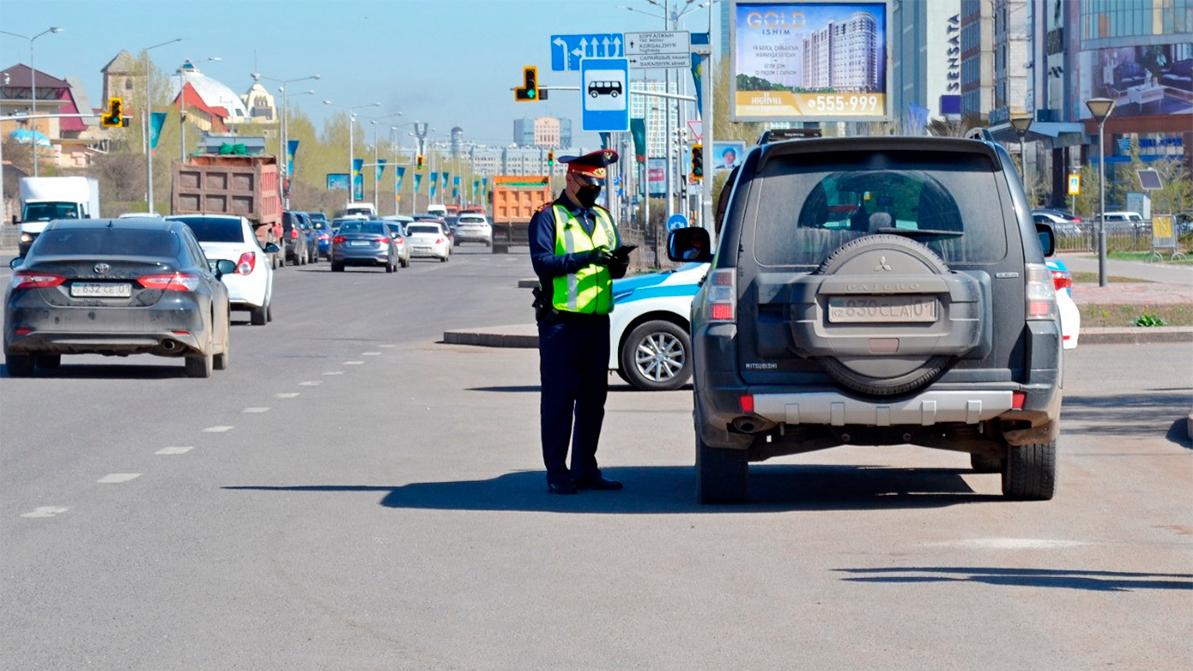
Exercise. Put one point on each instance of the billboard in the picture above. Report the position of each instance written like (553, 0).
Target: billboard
(656, 176)
(1154, 79)
(337, 180)
(728, 155)
(808, 61)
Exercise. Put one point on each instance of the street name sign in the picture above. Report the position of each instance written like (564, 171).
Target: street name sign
(604, 95)
(568, 50)
(658, 42)
(650, 61)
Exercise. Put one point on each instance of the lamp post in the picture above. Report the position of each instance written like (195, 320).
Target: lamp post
(1101, 109)
(1021, 122)
(182, 110)
(33, 84)
(145, 116)
(351, 140)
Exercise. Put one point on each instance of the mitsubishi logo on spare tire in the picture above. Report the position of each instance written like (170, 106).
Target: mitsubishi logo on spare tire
(883, 265)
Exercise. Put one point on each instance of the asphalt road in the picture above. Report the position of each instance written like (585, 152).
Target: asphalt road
(352, 495)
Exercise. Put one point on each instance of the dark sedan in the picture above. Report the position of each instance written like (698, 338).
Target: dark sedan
(116, 287)
(363, 243)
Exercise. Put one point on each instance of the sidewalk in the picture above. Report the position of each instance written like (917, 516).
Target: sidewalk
(1152, 272)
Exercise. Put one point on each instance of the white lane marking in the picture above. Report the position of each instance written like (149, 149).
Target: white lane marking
(388, 345)
(370, 353)
(117, 478)
(334, 372)
(310, 383)
(217, 429)
(175, 450)
(1013, 543)
(353, 363)
(45, 511)
(257, 410)
(288, 394)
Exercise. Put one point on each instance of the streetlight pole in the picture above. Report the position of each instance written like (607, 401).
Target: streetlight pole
(1101, 109)
(33, 85)
(351, 141)
(146, 116)
(1021, 122)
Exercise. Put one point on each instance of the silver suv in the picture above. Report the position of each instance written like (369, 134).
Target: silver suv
(876, 291)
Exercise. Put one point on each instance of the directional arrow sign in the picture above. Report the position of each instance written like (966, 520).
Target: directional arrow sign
(649, 61)
(660, 42)
(568, 50)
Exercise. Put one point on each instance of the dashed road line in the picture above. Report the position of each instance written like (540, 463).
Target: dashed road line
(175, 450)
(288, 394)
(310, 383)
(388, 345)
(117, 478)
(217, 429)
(45, 511)
(255, 410)
(370, 353)
(353, 363)
(334, 372)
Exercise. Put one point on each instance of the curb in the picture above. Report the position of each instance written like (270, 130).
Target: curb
(530, 283)
(1136, 336)
(523, 336)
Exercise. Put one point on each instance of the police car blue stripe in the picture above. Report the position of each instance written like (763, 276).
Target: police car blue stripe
(669, 291)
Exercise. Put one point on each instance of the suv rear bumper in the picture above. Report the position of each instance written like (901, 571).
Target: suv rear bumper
(926, 409)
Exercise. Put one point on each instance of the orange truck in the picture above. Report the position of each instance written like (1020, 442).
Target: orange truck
(514, 201)
(246, 186)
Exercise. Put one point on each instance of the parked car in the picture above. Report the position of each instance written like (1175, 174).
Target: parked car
(363, 243)
(116, 287)
(648, 329)
(428, 239)
(1063, 225)
(1123, 221)
(398, 233)
(926, 315)
(250, 285)
(296, 232)
(471, 227)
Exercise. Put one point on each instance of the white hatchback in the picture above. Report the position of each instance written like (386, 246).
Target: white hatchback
(232, 238)
(474, 227)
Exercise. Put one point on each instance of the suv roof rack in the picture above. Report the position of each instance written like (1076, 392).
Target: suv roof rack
(782, 134)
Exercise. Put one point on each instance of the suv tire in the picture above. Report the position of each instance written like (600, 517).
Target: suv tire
(722, 475)
(1029, 472)
(653, 335)
(199, 365)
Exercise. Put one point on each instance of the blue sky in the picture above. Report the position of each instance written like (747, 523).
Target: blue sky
(448, 62)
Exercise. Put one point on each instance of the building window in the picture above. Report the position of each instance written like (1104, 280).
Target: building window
(128, 84)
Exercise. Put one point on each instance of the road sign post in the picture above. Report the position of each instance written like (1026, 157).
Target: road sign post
(605, 95)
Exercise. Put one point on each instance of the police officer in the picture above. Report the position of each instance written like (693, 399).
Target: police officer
(575, 250)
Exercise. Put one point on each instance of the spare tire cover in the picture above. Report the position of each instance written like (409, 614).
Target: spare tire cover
(891, 263)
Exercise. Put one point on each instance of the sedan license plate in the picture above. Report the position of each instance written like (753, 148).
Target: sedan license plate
(358, 243)
(881, 309)
(100, 290)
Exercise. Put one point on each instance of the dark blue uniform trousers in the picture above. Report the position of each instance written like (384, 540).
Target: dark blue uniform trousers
(574, 370)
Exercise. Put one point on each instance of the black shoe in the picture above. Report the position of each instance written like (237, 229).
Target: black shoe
(599, 483)
(562, 487)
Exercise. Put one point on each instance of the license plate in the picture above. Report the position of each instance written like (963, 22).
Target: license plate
(359, 243)
(881, 309)
(422, 249)
(100, 290)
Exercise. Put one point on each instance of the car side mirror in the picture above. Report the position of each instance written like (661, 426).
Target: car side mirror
(689, 245)
(271, 248)
(15, 263)
(1047, 239)
(223, 267)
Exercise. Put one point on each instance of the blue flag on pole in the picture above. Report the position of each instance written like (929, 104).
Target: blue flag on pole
(434, 184)
(291, 152)
(156, 120)
(380, 169)
(418, 182)
(358, 179)
(399, 173)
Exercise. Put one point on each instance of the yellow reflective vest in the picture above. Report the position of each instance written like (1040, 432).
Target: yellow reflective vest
(589, 290)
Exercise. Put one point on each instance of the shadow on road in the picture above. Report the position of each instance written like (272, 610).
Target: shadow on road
(1134, 415)
(1097, 581)
(534, 389)
(671, 489)
(116, 371)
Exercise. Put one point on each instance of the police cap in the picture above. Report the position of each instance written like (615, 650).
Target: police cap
(592, 164)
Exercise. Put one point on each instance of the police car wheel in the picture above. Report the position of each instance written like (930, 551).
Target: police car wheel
(656, 356)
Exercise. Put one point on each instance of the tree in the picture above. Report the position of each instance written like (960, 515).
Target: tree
(955, 127)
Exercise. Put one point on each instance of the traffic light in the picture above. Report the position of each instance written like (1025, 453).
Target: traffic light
(529, 91)
(114, 115)
(550, 159)
(419, 162)
(697, 172)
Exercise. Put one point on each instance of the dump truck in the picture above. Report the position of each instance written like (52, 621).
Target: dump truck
(243, 186)
(514, 200)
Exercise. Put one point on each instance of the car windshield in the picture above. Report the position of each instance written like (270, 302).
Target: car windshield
(106, 241)
(423, 229)
(214, 229)
(50, 211)
(364, 227)
(809, 205)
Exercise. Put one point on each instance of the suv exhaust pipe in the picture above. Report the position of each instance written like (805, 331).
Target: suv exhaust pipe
(170, 345)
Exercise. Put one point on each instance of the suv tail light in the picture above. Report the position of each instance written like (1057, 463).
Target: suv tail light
(31, 279)
(1041, 296)
(170, 281)
(293, 233)
(722, 295)
(1061, 280)
(246, 263)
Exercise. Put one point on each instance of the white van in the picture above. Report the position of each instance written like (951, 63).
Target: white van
(437, 208)
(358, 210)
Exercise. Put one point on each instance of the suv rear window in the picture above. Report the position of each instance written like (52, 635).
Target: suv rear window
(809, 205)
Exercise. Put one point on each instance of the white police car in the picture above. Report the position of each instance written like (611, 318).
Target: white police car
(649, 343)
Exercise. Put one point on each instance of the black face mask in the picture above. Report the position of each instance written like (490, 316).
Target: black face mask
(587, 195)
